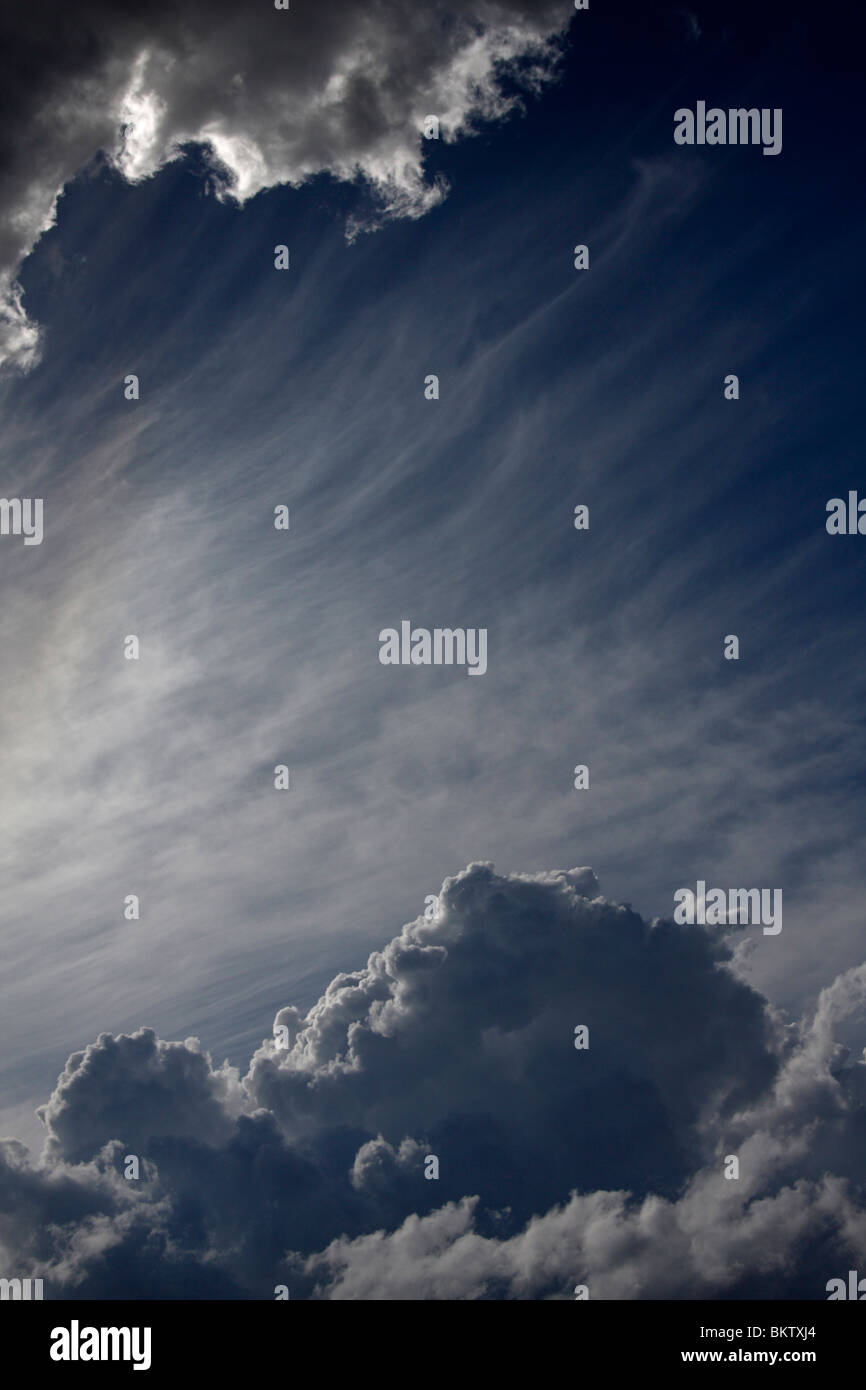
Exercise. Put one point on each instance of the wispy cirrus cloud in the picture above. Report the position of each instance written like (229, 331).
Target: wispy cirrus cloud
(275, 97)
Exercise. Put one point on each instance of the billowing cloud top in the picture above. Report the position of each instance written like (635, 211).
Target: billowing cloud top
(276, 96)
(556, 1164)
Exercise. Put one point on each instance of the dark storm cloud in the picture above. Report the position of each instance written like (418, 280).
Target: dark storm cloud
(557, 1166)
(504, 975)
(276, 97)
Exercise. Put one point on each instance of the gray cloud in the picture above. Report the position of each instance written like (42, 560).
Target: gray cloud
(276, 97)
(557, 1166)
(797, 1207)
(503, 976)
(141, 1088)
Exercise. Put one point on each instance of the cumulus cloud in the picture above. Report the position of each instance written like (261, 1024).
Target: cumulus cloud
(274, 96)
(557, 1165)
(502, 977)
(696, 1248)
(142, 1088)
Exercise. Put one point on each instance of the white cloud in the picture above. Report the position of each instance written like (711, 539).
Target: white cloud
(277, 97)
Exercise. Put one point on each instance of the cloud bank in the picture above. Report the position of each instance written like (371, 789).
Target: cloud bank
(274, 96)
(557, 1165)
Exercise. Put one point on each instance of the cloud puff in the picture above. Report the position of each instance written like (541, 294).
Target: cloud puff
(142, 1088)
(695, 1248)
(780, 1230)
(557, 1165)
(275, 96)
(462, 1030)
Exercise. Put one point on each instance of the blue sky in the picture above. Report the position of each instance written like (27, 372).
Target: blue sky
(558, 387)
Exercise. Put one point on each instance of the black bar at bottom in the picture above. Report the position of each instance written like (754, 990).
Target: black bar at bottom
(163, 1339)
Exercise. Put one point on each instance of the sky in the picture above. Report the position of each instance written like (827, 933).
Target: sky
(152, 162)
